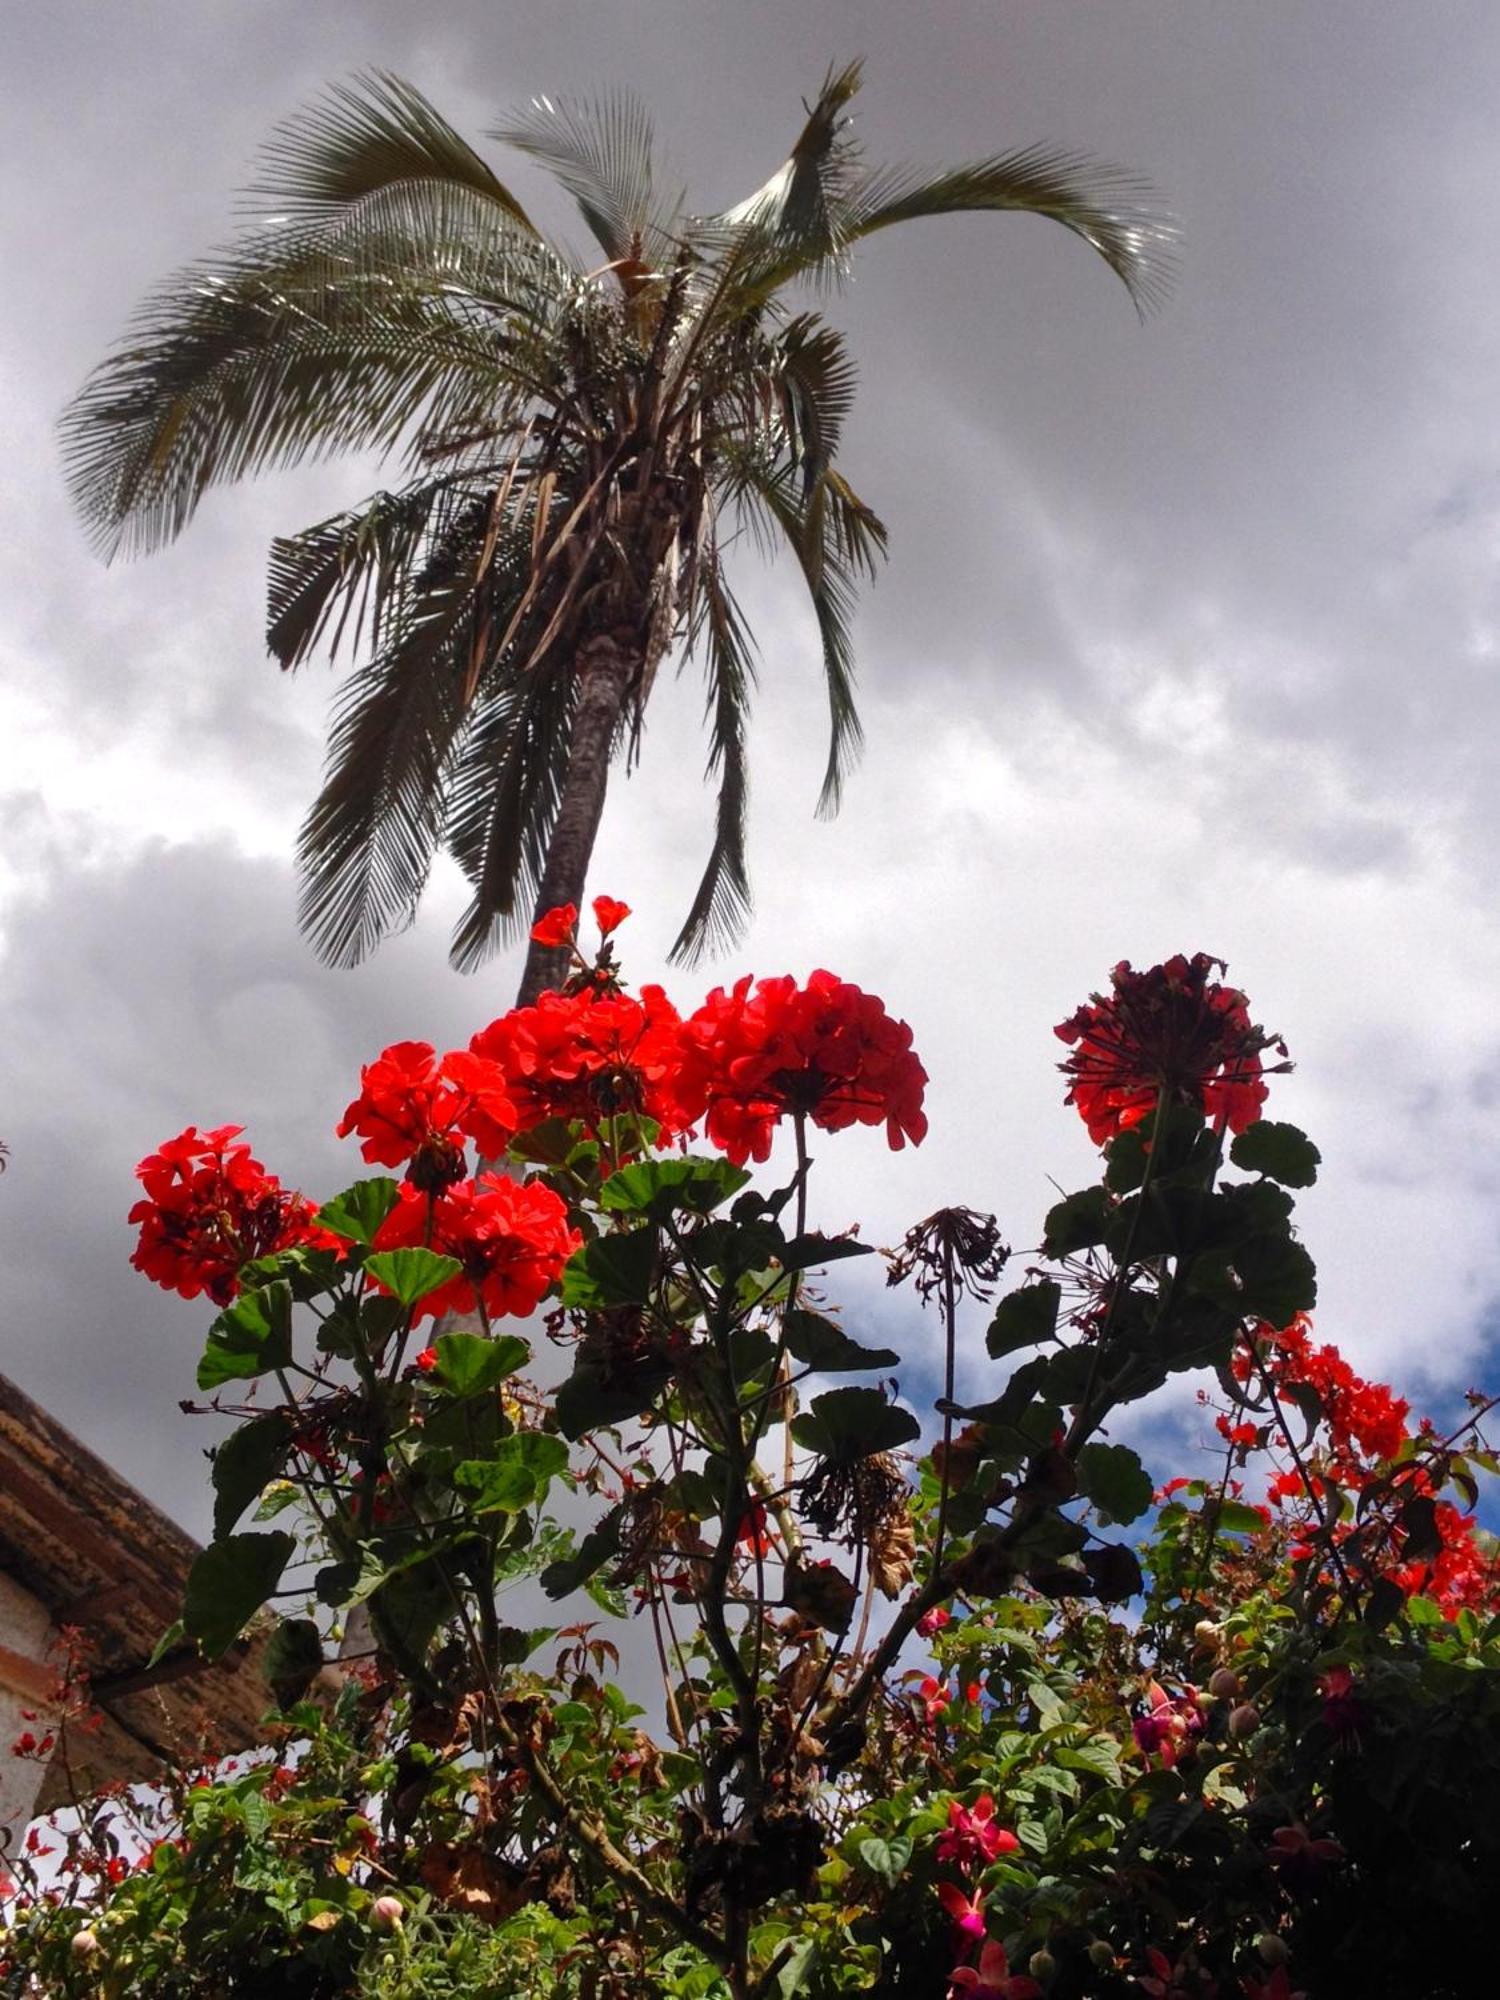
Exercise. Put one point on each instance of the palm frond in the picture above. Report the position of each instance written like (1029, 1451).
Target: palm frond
(355, 565)
(1115, 212)
(299, 348)
(834, 537)
(504, 792)
(360, 137)
(814, 379)
(721, 907)
(799, 203)
(367, 845)
(602, 152)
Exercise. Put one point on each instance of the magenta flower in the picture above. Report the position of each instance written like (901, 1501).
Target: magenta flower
(972, 1840)
(994, 1979)
(967, 1913)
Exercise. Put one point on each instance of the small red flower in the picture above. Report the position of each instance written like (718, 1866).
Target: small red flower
(753, 1533)
(1171, 1029)
(427, 1360)
(609, 915)
(556, 927)
(825, 1051)
(209, 1208)
(511, 1237)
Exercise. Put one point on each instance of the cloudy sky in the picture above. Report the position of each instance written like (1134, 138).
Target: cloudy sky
(1188, 639)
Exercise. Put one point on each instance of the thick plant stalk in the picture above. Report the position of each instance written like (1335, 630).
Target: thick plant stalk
(606, 669)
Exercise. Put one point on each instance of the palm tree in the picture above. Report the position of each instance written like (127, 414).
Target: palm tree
(580, 442)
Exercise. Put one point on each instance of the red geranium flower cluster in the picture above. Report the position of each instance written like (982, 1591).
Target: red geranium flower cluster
(1171, 1029)
(210, 1207)
(1365, 1426)
(511, 1237)
(414, 1109)
(825, 1051)
(588, 1056)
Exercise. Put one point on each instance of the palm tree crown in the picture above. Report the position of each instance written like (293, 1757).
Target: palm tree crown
(580, 440)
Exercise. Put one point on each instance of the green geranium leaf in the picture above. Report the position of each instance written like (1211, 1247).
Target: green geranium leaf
(468, 1362)
(293, 1659)
(589, 1401)
(1024, 1318)
(518, 1473)
(821, 1343)
(599, 1546)
(1280, 1152)
(229, 1583)
(1113, 1477)
(359, 1211)
(1237, 1517)
(409, 1275)
(245, 1464)
(1116, 1573)
(659, 1186)
(1270, 1278)
(848, 1424)
(515, 1644)
(804, 1252)
(614, 1270)
(250, 1338)
(1077, 1223)
(408, 1606)
(309, 1272)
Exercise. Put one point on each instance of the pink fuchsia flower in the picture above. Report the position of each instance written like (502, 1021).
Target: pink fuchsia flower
(994, 1979)
(966, 1913)
(1301, 1858)
(1169, 1724)
(1343, 1712)
(1167, 1981)
(1276, 1986)
(972, 1839)
(934, 1695)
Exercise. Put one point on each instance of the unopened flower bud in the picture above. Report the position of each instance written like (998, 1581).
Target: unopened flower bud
(1244, 1720)
(387, 1913)
(1101, 1953)
(85, 1944)
(1272, 1949)
(1042, 1966)
(1207, 1634)
(1224, 1684)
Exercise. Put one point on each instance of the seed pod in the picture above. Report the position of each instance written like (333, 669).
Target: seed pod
(1042, 1966)
(1224, 1684)
(1244, 1720)
(1271, 1949)
(85, 1944)
(1207, 1634)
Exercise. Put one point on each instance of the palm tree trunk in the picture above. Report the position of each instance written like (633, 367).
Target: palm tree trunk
(606, 669)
